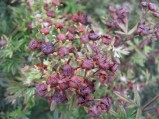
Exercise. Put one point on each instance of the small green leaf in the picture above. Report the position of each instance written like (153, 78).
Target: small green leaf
(139, 114)
(136, 96)
(124, 98)
(132, 30)
(114, 113)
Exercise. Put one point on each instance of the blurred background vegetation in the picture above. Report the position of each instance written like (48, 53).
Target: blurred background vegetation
(17, 101)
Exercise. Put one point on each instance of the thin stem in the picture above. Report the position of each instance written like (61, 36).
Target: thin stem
(85, 73)
(149, 103)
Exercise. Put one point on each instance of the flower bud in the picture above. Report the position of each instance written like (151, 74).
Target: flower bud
(45, 31)
(53, 80)
(47, 48)
(75, 82)
(156, 14)
(56, 2)
(106, 39)
(67, 70)
(63, 51)
(41, 89)
(34, 44)
(152, 7)
(60, 97)
(51, 14)
(87, 64)
(93, 36)
(59, 25)
(95, 111)
(70, 36)
(144, 4)
(61, 37)
(84, 38)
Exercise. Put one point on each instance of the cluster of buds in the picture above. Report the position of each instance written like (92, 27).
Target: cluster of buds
(150, 6)
(118, 16)
(81, 62)
(145, 28)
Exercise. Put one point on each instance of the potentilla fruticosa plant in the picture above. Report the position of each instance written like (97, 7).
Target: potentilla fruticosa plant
(74, 58)
(78, 59)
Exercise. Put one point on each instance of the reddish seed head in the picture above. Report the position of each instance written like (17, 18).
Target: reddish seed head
(93, 35)
(81, 28)
(41, 66)
(53, 80)
(112, 9)
(71, 30)
(94, 47)
(30, 26)
(60, 97)
(110, 25)
(142, 29)
(63, 85)
(152, 7)
(84, 38)
(59, 25)
(34, 44)
(47, 23)
(47, 48)
(75, 17)
(87, 87)
(63, 51)
(82, 19)
(106, 39)
(45, 31)
(70, 36)
(95, 111)
(56, 2)
(75, 82)
(67, 70)
(61, 37)
(51, 14)
(144, 4)
(114, 67)
(130, 85)
(105, 103)
(85, 100)
(101, 61)
(46, 7)
(41, 89)
(156, 14)
(3, 42)
(87, 64)
(71, 49)
(122, 12)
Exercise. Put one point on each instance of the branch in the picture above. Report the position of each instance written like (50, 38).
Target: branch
(149, 103)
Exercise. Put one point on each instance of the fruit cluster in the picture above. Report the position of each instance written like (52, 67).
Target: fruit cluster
(81, 59)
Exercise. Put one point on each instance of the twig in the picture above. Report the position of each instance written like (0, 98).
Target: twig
(149, 103)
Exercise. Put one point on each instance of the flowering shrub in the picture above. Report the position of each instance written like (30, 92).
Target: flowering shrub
(78, 60)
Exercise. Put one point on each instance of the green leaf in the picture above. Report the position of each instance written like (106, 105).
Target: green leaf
(122, 97)
(133, 30)
(123, 113)
(139, 114)
(136, 96)
(114, 113)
